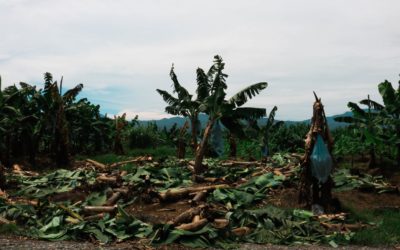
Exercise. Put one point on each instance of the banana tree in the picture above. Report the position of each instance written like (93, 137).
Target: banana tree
(265, 132)
(25, 98)
(226, 111)
(89, 130)
(54, 105)
(367, 124)
(17, 117)
(120, 123)
(391, 111)
(184, 104)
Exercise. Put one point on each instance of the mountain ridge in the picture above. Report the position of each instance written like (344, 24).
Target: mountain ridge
(169, 122)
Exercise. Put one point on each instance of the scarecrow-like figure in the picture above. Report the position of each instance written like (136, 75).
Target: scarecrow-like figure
(317, 163)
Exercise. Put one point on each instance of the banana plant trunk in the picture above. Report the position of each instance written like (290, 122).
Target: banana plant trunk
(118, 148)
(232, 146)
(181, 148)
(198, 165)
(193, 125)
(61, 140)
(372, 161)
(398, 147)
(398, 155)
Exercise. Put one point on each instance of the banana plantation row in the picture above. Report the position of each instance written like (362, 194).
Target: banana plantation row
(51, 123)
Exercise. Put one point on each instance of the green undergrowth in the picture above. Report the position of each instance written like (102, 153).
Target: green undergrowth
(384, 229)
(157, 153)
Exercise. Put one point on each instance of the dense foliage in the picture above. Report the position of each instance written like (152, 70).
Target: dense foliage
(374, 129)
(50, 121)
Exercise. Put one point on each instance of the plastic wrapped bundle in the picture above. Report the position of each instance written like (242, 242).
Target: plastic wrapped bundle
(321, 161)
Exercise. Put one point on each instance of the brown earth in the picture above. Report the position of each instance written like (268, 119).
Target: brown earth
(15, 243)
(158, 213)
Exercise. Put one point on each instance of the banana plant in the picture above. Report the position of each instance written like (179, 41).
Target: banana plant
(265, 132)
(18, 119)
(227, 111)
(54, 105)
(367, 122)
(391, 113)
(49, 121)
(185, 104)
(120, 124)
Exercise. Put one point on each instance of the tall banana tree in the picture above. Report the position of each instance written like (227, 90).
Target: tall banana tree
(4, 126)
(89, 131)
(265, 132)
(54, 105)
(367, 122)
(391, 112)
(16, 120)
(227, 111)
(185, 104)
(120, 124)
(49, 121)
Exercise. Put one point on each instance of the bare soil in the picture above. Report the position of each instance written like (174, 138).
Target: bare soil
(15, 243)
(158, 213)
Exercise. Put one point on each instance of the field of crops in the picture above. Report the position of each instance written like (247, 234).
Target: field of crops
(69, 172)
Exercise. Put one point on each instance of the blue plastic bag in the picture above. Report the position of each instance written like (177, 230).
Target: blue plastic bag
(321, 161)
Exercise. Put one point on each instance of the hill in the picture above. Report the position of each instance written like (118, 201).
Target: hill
(169, 122)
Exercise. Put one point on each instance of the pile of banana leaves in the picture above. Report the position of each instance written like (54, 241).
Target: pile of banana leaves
(238, 205)
(345, 181)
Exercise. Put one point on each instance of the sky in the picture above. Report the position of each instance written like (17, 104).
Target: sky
(122, 51)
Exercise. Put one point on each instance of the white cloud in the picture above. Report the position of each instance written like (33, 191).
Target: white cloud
(122, 50)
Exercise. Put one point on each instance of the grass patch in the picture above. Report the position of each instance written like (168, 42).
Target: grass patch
(9, 229)
(157, 153)
(386, 231)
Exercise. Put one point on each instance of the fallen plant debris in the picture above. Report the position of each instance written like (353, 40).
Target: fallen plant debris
(91, 203)
(346, 181)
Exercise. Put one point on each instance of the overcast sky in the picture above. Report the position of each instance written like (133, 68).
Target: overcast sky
(123, 50)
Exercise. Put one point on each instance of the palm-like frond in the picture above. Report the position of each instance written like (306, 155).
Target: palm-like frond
(234, 126)
(72, 93)
(173, 110)
(178, 88)
(48, 79)
(168, 98)
(246, 94)
(388, 93)
(203, 86)
(374, 105)
(357, 111)
(248, 113)
(216, 76)
(347, 119)
(11, 110)
(271, 117)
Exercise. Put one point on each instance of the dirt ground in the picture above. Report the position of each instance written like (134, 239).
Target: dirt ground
(158, 213)
(359, 200)
(13, 243)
